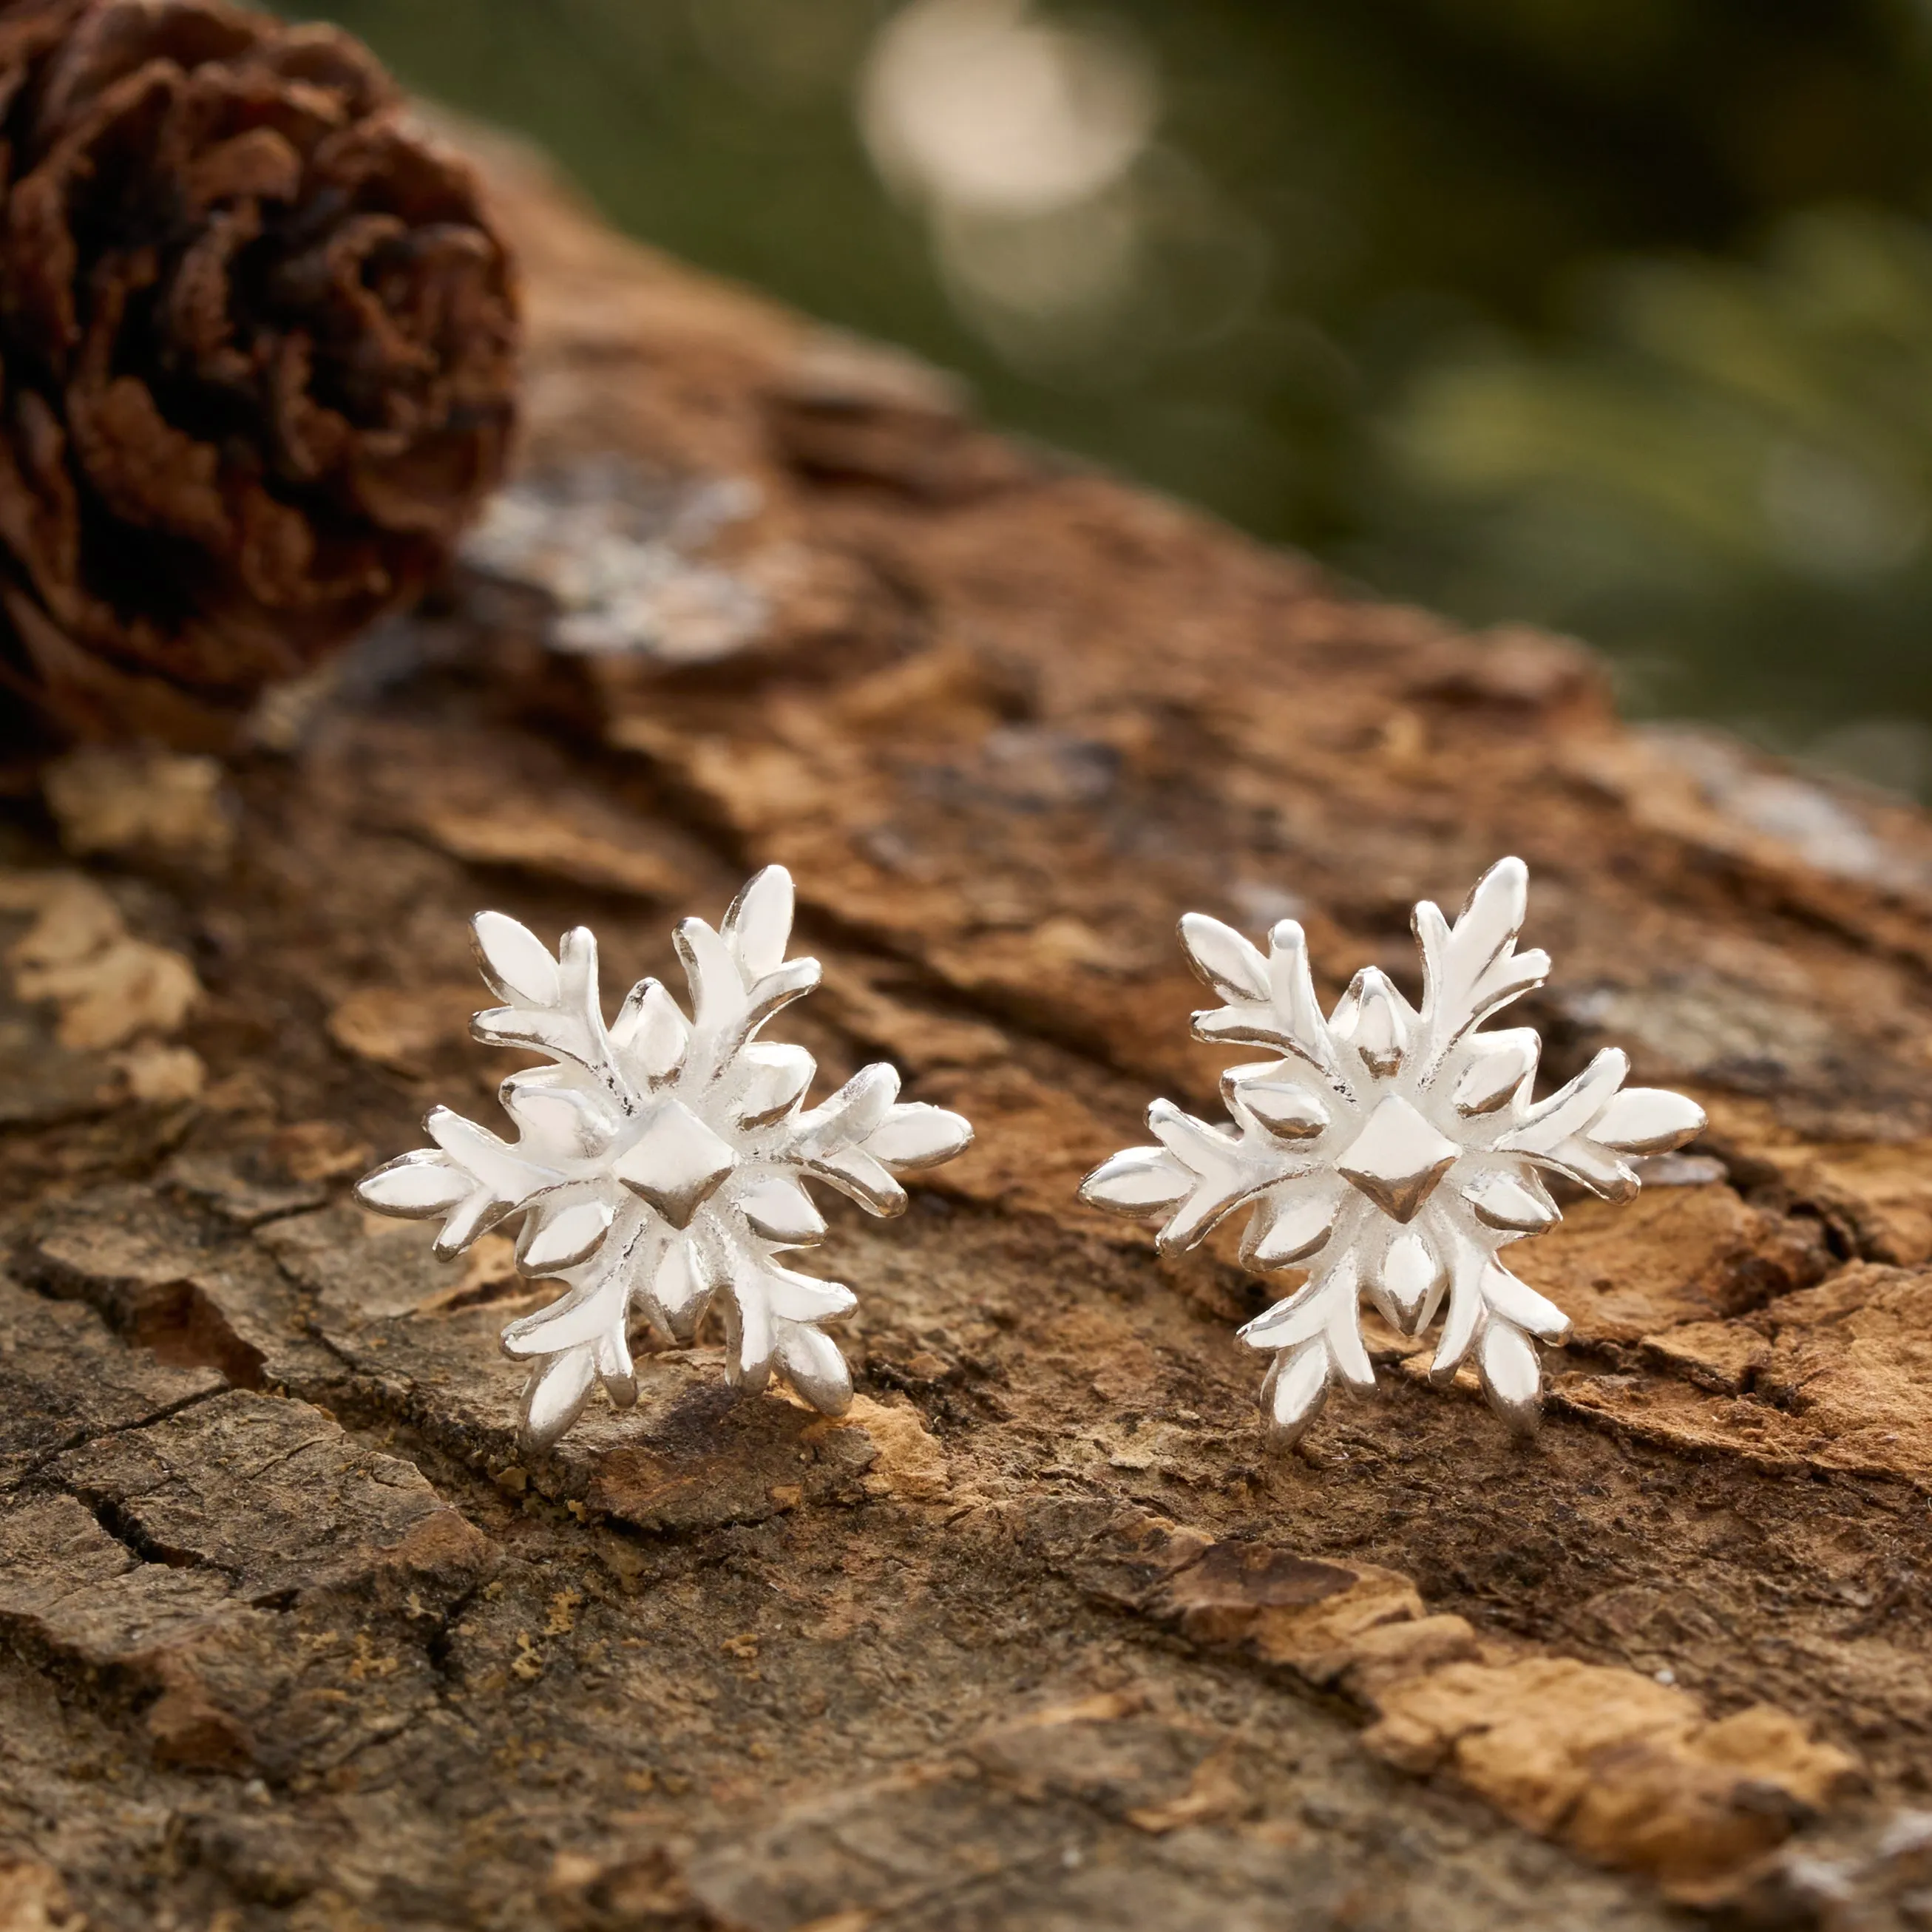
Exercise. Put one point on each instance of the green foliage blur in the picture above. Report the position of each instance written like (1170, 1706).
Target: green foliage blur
(1612, 315)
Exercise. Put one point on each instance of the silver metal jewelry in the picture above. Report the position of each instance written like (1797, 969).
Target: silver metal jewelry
(659, 1163)
(1390, 1153)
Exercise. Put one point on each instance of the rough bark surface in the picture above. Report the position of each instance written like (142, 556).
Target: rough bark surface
(1038, 1636)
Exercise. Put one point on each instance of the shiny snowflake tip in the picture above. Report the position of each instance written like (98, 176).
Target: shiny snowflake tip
(660, 1161)
(1389, 1152)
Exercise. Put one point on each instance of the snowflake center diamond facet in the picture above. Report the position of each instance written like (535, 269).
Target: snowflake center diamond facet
(676, 1163)
(1342, 1154)
(1397, 1158)
(660, 1161)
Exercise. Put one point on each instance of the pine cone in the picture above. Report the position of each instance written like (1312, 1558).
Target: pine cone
(256, 342)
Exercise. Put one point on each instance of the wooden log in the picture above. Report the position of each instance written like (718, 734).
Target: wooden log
(1039, 1635)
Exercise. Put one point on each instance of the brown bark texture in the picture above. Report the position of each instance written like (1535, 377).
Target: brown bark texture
(1038, 1636)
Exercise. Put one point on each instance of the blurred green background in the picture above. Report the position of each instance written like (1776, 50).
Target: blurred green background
(1613, 315)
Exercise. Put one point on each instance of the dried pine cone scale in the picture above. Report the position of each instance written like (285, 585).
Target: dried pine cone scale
(256, 357)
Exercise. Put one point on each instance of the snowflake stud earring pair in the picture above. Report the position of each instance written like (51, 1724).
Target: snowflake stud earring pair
(660, 1161)
(1385, 1151)
(1389, 1152)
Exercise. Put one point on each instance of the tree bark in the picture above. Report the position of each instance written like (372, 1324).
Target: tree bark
(1040, 1635)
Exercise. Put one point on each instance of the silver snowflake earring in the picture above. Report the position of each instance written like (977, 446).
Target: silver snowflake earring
(1391, 1152)
(659, 1162)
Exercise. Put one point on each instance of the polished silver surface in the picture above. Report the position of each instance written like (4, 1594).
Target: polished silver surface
(1391, 1153)
(660, 1161)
